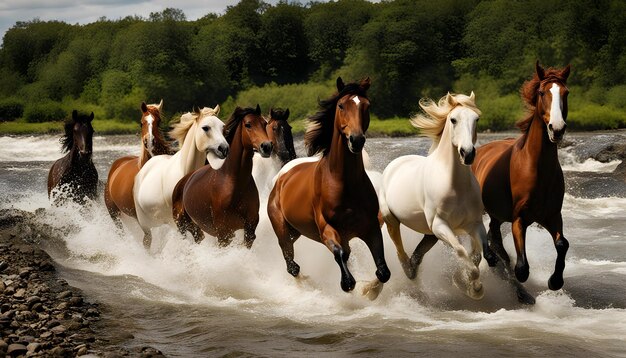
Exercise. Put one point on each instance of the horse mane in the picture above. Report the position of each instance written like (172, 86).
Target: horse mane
(181, 127)
(432, 123)
(320, 126)
(529, 93)
(233, 122)
(67, 140)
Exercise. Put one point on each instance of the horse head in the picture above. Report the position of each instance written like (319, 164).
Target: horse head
(279, 133)
(82, 134)
(352, 115)
(209, 135)
(150, 121)
(462, 121)
(551, 100)
(254, 134)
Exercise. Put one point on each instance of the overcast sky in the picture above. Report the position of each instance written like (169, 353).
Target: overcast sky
(86, 11)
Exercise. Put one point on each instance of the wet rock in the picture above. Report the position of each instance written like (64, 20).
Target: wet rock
(3, 347)
(30, 301)
(60, 352)
(58, 330)
(76, 301)
(92, 312)
(3, 266)
(37, 307)
(20, 293)
(16, 349)
(33, 347)
(64, 294)
(2, 287)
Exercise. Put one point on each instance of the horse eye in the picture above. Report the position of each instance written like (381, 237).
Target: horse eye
(205, 128)
(453, 120)
(248, 125)
(477, 119)
(340, 106)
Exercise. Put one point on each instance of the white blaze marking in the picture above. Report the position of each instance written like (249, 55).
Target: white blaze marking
(356, 100)
(150, 120)
(556, 116)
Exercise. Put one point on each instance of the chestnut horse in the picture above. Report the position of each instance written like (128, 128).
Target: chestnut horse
(74, 175)
(521, 179)
(222, 201)
(118, 191)
(283, 151)
(331, 199)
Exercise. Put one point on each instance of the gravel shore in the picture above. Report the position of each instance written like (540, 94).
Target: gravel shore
(40, 314)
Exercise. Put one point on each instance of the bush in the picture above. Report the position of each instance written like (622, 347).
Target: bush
(10, 109)
(593, 116)
(44, 112)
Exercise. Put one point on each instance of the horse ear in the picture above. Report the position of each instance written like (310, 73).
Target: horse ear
(196, 110)
(565, 72)
(272, 113)
(340, 84)
(91, 117)
(144, 107)
(160, 105)
(286, 115)
(216, 109)
(74, 115)
(258, 109)
(540, 71)
(365, 84)
(473, 96)
(450, 99)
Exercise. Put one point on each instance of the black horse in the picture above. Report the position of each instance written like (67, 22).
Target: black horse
(74, 175)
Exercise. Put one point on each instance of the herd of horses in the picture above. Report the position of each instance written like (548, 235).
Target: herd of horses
(214, 182)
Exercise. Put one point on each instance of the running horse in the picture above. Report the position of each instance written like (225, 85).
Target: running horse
(74, 176)
(438, 195)
(225, 200)
(118, 191)
(521, 179)
(330, 199)
(200, 136)
(279, 132)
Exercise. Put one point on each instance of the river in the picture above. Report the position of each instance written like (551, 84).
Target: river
(187, 299)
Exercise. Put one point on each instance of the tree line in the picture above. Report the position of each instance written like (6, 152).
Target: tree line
(410, 49)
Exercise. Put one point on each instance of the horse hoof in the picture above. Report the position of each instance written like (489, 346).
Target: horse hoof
(491, 258)
(383, 273)
(371, 290)
(522, 272)
(293, 269)
(555, 283)
(476, 290)
(348, 284)
(525, 297)
(410, 269)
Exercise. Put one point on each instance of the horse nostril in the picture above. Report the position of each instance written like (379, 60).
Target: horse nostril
(462, 151)
(550, 126)
(351, 139)
(266, 147)
(223, 149)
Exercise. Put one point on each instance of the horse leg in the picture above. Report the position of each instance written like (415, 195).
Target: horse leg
(285, 234)
(468, 277)
(479, 240)
(393, 228)
(374, 242)
(495, 236)
(249, 229)
(147, 238)
(427, 243)
(184, 222)
(331, 238)
(555, 227)
(114, 211)
(519, 237)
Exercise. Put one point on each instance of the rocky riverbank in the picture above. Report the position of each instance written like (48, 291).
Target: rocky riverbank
(40, 314)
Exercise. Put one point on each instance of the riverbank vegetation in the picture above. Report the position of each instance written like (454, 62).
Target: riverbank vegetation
(289, 54)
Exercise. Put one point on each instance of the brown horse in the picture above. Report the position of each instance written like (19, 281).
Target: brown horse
(522, 181)
(74, 174)
(225, 200)
(279, 132)
(118, 191)
(331, 200)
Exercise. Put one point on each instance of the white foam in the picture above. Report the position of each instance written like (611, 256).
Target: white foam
(570, 162)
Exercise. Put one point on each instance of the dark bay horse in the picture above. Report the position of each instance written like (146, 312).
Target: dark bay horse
(521, 179)
(222, 201)
(331, 199)
(74, 175)
(279, 132)
(118, 191)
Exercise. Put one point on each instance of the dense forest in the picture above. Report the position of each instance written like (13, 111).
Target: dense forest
(289, 54)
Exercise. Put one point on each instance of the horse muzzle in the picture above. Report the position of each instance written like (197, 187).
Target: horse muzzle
(467, 156)
(356, 143)
(556, 135)
(222, 151)
(265, 149)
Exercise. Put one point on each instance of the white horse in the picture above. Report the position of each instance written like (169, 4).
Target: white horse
(438, 195)
(200, 136)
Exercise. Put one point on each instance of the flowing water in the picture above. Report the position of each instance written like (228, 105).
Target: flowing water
(201, 300)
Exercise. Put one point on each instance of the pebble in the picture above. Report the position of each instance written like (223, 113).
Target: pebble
(19, 293)
(16, 349)
(3, 266)
(64, 294)
(34, 347)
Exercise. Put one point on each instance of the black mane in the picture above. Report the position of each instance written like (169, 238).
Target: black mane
(67, 140)
(231, 125)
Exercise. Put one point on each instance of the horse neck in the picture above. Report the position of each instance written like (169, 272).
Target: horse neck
(76, 159)
(239, 160)
(537, 145)
(143, 157)
(342, 164)
(447, 153)
(190, 157)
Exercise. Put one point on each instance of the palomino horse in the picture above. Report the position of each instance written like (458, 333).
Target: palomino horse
(74, 175)
(522, 180)
(331, 199)
(283, 151)
(223, 201)
(200, 137)
(118, 191)
(438, 195)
